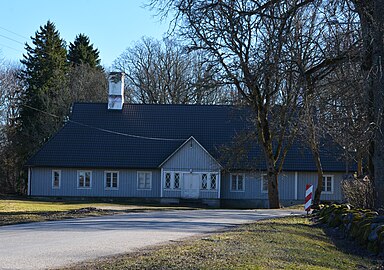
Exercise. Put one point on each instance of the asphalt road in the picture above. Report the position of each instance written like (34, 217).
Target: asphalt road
(59, 243)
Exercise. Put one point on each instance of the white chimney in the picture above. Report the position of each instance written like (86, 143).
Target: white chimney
(116, 91)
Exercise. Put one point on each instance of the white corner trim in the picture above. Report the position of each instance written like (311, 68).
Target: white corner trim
(29, 182)
(161, 182)
(296, 185)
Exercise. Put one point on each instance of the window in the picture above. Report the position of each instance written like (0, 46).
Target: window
(111, 180)
(237, 182)
(264, 183)
(56, 179)
(84, 179)
(176, 183)
(213, 181)
(204, 181)
(144, 180)
(167, 180)
(327, 184)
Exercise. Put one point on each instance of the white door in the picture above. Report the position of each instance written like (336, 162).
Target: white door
(191, 186)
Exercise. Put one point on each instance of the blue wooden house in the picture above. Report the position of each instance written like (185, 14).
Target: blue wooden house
(167, 153)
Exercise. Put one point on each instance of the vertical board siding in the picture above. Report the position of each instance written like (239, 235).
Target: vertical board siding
(191, 156)
(305, 178)
(252, 187)
(41, 184)
(286, 186)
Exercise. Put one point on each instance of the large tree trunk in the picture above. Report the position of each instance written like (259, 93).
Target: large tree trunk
(372, 24)
(273, 187)
(378, 95)
(319, 188)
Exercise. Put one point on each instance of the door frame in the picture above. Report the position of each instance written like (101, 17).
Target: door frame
(185, 191)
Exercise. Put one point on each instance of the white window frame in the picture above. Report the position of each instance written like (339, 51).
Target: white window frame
(207, 181)
(53, 179)
(237, 180)
(173, 178)
(324, 191)
(210, 181)
(105, 180)
(170, 180)
(264, 177)
(150, 178)
(78, 180)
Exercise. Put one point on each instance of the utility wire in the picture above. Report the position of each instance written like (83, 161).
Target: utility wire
(3, 45)
(107, 130)
(14, 40)
(16, 34)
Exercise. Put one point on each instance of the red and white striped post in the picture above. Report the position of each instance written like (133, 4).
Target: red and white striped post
(308, 197)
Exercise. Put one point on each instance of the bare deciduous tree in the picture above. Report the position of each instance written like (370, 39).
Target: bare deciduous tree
(10, 92)
(271, 52)
(372, 27)
(164, 72)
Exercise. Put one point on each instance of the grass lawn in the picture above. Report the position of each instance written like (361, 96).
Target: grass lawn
(285, 243)
(13, 211)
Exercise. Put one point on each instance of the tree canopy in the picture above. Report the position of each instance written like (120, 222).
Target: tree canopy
(81, 51)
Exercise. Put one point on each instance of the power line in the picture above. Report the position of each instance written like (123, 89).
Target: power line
(10, 48)
(107, 130)
(14, 40)
(13, 33)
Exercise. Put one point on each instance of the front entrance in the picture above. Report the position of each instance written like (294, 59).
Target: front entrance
(190, 186)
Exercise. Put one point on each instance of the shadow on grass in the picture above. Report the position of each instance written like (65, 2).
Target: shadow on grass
(349, 246)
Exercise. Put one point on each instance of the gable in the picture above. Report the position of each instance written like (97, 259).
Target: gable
(191, 155)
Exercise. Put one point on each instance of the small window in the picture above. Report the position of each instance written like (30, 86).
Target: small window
(264, 183)
(144, 180)
(204, 181)
(237, 182)
(176, 183)
(84, 179)
(56, 179)
(111, 180)
(327, 184)
(213, 181)
(167, 180)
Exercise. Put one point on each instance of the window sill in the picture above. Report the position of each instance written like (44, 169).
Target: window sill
(84, 187)
(111, 188)
(237, 191)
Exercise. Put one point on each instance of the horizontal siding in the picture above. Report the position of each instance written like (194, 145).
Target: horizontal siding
(41, 184)
(191, 156)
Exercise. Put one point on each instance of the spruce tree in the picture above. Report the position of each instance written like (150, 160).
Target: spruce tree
(82, 52)
(44, 72)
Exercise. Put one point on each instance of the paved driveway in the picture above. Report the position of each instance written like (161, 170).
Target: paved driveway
(54, 244)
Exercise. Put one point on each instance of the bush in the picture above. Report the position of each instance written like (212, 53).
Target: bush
(358, 192)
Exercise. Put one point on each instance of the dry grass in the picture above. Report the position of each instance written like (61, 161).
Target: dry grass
(286, 243)
(13, 211)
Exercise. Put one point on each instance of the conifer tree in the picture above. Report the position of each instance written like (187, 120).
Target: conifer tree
(45, 76)
(82, 52)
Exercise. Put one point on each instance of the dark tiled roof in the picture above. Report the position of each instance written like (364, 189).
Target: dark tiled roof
(95, 137)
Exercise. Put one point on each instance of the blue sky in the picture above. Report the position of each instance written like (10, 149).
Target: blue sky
(112, 25)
